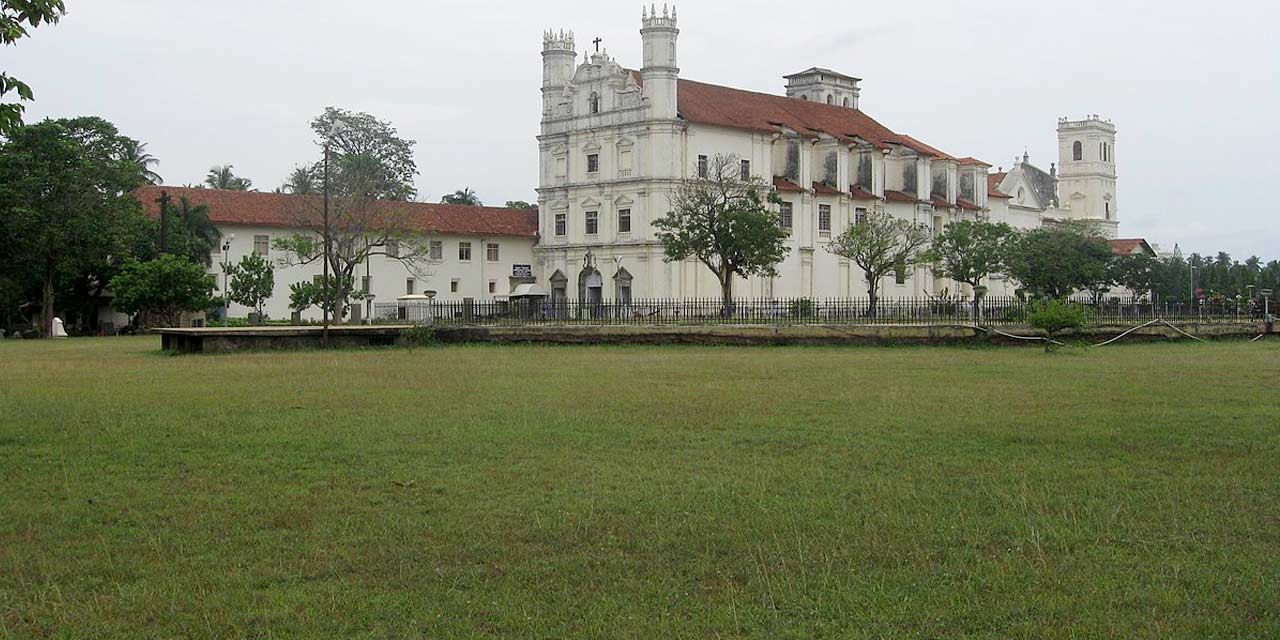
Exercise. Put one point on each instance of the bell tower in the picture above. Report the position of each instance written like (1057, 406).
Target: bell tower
(558, 58)
(1087, 169)
(660, 72)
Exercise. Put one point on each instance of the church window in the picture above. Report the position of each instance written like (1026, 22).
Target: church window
(491, 252)
(437, 250)
(746, 170)
(846, 102)
(409, 285)
(464, 251)
(560, 224)
(1077, 151)
(261, 245)
(702, 166)
(624, 221)
(593, 103)
(831, 99)
(593, 223)
(593, 162)
(784, 215)
(824, 220)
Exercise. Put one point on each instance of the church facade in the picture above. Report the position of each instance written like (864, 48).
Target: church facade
(616, 142)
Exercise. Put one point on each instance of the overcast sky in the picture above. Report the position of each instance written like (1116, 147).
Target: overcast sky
(1192, 87)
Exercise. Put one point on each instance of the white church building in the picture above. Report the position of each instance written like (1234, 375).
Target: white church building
(616, 142)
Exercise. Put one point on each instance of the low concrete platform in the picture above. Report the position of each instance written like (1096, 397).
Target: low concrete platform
(217, 340)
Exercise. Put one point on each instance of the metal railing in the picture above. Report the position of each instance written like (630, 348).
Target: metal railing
(993, 310)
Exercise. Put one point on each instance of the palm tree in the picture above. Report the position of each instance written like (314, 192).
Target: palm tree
(300, 182)
(136, 154)
(465, 197)
(221, 177)
(199, 235)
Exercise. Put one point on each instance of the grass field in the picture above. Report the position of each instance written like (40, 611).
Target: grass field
(539, 492)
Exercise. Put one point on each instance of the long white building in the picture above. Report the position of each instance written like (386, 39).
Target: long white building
(615, 143)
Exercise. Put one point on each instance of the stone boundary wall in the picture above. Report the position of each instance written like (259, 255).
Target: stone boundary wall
(212, 340)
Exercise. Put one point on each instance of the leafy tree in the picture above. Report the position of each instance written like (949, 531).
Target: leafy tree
(520, 204)
(252, 282)
(304, 295)
(15, 17)
(222, 177)
(1139, 273)
(163, 288)
(67, 219)
(969, 251)
(1055, 315)
(465, 197)
(724, 222)
(881, 244)
(370, 168)
(302, 181)
(142, 161)
(1056, 261)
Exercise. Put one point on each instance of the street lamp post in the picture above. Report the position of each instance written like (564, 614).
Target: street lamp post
(226, 279)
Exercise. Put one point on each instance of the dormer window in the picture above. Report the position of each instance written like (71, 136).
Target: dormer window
(593, 103)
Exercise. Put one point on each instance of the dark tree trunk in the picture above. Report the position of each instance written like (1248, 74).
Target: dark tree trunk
(726, 295)
(46, 300)
(873, 293)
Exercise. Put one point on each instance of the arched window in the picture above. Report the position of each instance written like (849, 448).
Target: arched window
(593, 103)
(831, 99)
(1077, 152)
(846, 102)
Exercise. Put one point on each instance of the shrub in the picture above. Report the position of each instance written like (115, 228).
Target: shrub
(418, 336)
(1055, 316)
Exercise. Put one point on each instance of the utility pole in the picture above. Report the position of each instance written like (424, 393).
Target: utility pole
(164, 222)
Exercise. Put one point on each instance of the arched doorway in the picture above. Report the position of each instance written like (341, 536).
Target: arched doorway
(591, 286)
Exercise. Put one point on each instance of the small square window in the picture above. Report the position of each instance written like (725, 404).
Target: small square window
(624, 221)
(409, 285)
(560, 224)
(491, 252)
(464, 251)
(593, 223)
(437, 250)
(593, 162)
(493, 286)
(261, 246)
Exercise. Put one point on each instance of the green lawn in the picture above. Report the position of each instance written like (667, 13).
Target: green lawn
(557, 492)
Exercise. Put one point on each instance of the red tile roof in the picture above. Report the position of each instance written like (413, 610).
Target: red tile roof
(1130, 246)
(966, 205)
(973, 162)
(939, 202)
(253, 208)
(782, 184)
(737, 109)
(858, 193)
(824, 190)
(898, 196)
(927, 150)
(993, 186)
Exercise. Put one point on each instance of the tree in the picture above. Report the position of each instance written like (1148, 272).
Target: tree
(1056, 261)
(521, 204)
(1139, 273)
(465, 197)
(969, 251)
(881, 244)
(15, 17)
(142, 161)
(724, 222)
(163, 288)
(67, 219)
(1054, 315)
(301, 181)
(191, 233)
(304, 295)
(371, 171)
(222, 177)
(252, 282)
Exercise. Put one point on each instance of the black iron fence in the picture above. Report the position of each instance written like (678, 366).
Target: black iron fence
(992, 310)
